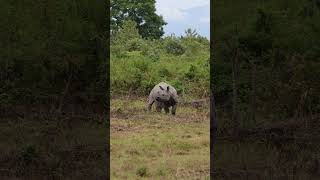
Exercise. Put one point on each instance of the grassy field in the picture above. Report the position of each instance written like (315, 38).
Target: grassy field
(149, 145)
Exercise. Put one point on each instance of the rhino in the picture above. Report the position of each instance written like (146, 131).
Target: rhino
(164, 96)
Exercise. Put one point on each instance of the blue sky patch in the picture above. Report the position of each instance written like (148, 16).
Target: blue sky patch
(183, 14)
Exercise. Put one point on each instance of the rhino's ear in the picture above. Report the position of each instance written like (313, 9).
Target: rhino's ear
(161, 87)
(168, 88)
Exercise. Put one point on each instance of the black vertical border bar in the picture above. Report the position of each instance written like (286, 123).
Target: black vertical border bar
(213, 117)
(107, 97)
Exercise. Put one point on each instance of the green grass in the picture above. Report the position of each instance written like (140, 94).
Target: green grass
(149, 145)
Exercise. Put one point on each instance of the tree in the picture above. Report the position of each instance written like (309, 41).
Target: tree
(189, 33)
(149, 24)
(213, 115)
(232, 52)
(173, 46)
(127, 33)
(50, 50)
(255, 47)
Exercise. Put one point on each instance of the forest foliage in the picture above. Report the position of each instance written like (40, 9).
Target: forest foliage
(52, 52)
(137, 63)
(143, 12)
(266, 61)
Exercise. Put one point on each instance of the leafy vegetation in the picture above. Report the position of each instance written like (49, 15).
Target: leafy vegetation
(51, 50)
(270, 56)
(138, 64)
(53, 80)
(143, 12)
(266, 62)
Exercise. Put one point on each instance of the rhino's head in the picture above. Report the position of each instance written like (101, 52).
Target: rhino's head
(163, 94)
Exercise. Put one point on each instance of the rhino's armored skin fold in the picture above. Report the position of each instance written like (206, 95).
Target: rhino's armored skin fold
(164, 96)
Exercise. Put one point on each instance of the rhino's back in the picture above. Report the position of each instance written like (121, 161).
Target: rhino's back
(165, 85)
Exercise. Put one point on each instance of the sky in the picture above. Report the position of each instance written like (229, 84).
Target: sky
(183, 14)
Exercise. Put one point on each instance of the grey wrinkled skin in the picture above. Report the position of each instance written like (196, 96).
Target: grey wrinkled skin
(164, 96)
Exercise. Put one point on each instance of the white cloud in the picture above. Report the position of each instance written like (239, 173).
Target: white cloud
(174, 10)
(205, 20)
(173, 14)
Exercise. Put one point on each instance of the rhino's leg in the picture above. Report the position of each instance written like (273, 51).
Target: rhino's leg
(149, 104)
(173, 110)
(166, 109)
(159, 106)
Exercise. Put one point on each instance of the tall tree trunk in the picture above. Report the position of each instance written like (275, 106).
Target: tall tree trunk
(213, 129)
(66, 90)
(253, 92)
(213, 116)
(235, 90)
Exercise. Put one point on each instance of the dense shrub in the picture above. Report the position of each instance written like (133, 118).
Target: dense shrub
(151, 49)
(173, 46)
(138, 64)
(41, 53)
(135, 44)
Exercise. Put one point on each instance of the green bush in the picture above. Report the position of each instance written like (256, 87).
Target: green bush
(174, 47)
(147, 62)
(192, 72)
(135, 44)
(163, 72)
(178, 85)
(151, 50)
(193, 48)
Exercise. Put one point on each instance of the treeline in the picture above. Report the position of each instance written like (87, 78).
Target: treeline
(266, 61)
(141, 56)
(52, 53)
(137, 63)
